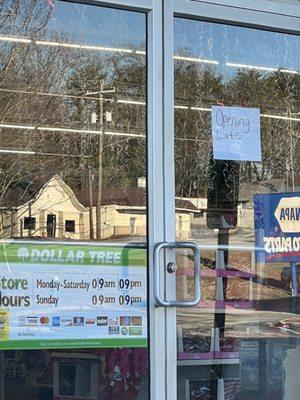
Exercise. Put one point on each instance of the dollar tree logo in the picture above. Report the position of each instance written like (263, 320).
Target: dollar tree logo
(23, 253)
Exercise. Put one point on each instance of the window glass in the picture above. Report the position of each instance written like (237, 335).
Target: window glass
(73, 310)
(242, 340)
(70, 226)
(29, 223)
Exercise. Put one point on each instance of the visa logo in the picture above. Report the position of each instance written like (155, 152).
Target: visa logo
(32, 321)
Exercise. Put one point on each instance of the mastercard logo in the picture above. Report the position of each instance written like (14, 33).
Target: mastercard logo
(44, 320)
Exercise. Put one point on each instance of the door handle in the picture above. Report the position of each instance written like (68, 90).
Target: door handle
(162, 302)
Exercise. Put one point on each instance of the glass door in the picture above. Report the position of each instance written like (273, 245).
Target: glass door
(73, 204)
(237, 184)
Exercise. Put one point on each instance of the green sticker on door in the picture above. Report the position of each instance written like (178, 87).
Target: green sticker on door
(70, 296)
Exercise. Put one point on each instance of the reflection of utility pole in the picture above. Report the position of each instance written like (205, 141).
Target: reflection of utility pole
(90, 187)
(102, 120)
(100, 162)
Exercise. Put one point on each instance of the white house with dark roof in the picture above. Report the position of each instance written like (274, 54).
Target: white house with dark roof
(57, 212)
(54, 212)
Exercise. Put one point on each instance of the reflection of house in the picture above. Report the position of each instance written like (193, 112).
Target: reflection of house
(53, 212)
(124, 212)
(56, 212)
(245, 207)
(247, 192)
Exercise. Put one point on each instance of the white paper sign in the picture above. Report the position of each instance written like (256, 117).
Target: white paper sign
(236, 133)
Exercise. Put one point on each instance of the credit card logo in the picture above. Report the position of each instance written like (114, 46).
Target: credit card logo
(66, 322)
(102, 321)
(44, 320)
(78, 321)
(90, 321)
(55, 321)
(32, 321)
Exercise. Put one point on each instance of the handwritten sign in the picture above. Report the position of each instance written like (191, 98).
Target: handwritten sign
(236, 133)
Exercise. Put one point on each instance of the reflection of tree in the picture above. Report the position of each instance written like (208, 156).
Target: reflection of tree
(200, 87)
(124, 158)
(47, 86)
(274, 93)
(27, 71)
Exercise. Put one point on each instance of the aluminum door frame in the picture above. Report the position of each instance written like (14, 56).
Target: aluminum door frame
(259, 14)
(160, 183)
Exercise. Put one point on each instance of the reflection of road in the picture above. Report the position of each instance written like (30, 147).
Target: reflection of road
(241, 236)
(242, 324)
(237, 236)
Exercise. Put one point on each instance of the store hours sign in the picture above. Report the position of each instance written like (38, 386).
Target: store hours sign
(64, 296)
(277, 226)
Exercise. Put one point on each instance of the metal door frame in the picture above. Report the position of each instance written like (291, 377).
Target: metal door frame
(261, 14)
(158, 195)
(159, 199)
(160, 192)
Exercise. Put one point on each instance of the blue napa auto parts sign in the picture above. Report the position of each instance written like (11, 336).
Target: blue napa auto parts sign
(277, 226)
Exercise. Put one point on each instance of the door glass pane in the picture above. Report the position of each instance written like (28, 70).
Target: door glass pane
(73, 282)
(241, 207)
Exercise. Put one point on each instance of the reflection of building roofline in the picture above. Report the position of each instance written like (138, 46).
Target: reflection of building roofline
(128, 197)
(143, 208)
(274, 185)
(71, 195)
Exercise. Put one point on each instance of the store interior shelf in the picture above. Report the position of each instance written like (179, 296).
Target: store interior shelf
(215, 361)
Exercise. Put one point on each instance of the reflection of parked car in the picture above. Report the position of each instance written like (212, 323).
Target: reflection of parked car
(286, 278)
(292, 325)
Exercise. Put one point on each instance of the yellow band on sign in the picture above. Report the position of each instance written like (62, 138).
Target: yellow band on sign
(4, 324)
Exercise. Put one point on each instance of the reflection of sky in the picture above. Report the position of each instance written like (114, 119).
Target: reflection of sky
(96, 25)
(225, 43)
